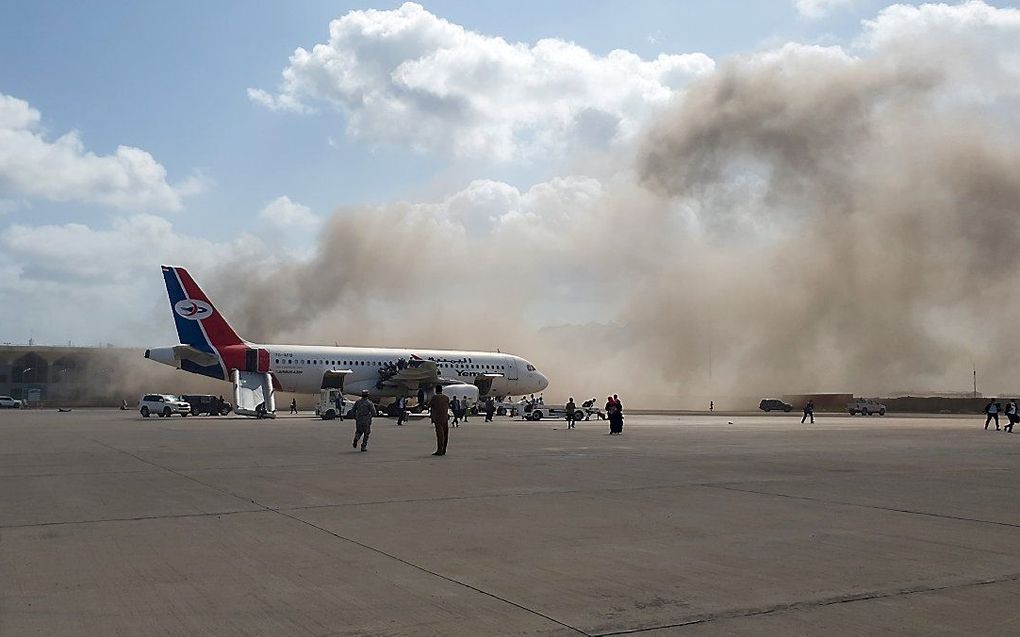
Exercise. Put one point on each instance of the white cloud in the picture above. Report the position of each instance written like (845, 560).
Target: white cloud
(974, 48)
(63, 170)
(67, 252)
(284, 213)
(408, 77)
(51, 273)
(815, 9)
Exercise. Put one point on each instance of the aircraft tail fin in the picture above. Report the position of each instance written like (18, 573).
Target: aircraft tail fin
(198, 323)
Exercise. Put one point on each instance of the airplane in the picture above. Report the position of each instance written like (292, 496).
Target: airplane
(210, 347)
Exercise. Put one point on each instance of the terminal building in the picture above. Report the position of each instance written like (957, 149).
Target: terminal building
(89, 376)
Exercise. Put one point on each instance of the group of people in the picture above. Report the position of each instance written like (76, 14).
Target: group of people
(614, 412)
(440, 406)
(994, 408)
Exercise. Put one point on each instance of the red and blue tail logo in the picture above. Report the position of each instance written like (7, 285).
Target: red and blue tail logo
(201, 326)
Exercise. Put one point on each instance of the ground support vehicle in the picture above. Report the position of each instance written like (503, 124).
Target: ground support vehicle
(590, 408)
(10, 403)
(556, 412)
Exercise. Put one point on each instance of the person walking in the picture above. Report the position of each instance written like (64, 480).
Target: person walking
(571, 410)
(455, 408)
(992, 411)
(363, 410)
(619, 415)
(1012, 415)
(293, 405)
(464, 410)
(340, 406)
(401, 410)
(490, 409)
(809, 410)
(439, 411)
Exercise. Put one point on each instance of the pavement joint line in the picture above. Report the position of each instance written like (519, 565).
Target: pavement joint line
(352, 541)
(807, 498)
(779, 608)
(800, 605)
(433, 573)
(74, 474)
(168, 516)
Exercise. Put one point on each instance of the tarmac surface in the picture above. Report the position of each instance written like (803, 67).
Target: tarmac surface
(116, 525)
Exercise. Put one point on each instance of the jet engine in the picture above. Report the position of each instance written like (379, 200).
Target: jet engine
(462, 391)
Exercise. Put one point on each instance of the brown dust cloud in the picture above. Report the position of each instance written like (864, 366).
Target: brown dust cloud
(802, 221)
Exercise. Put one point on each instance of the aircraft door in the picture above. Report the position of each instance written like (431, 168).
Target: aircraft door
(256, 360)
(332, 379)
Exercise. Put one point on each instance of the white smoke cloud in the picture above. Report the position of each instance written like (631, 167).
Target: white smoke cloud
(63, 170)
(408, 77)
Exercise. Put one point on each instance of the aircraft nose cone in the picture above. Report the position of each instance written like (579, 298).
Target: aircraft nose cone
(543, 382)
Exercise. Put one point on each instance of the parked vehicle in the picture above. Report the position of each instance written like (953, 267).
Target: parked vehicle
(590, 408)
(10, 403)
(163, 405)
(538, 412)
(326, 407)
(774, 404)
(865, 407)
(206, 404)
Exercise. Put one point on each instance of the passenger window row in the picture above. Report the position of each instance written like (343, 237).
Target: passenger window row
(380, 363)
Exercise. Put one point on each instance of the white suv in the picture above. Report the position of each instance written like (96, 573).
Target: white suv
(163, 405)
(12, 403)
(865, 407)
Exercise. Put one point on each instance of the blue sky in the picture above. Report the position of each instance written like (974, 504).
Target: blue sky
(170, 78)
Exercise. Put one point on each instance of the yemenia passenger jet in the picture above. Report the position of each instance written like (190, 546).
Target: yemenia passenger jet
(209, 346)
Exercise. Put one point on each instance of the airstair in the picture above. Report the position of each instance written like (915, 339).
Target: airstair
(253, 394)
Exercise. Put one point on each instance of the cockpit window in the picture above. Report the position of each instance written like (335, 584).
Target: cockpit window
(531, 368)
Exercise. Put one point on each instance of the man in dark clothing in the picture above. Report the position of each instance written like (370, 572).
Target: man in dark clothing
(571, 410)
(439, 410)
(401, 410)
(457, 411)
(363, 412)
(1013, 414)
(293, 405)
(992, 410)
(490, 409)
(809, 410)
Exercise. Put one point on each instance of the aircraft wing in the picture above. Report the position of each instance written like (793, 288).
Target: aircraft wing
(421, 373)
(427, 373)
